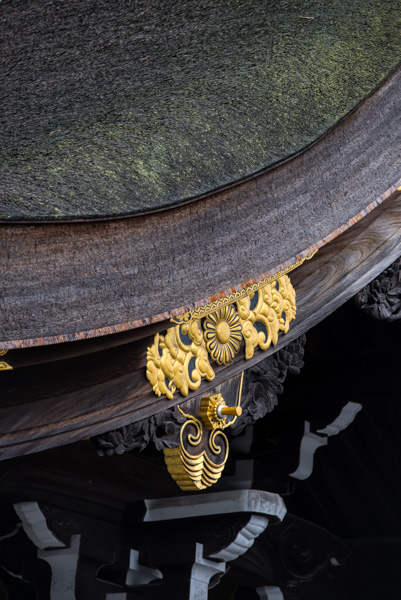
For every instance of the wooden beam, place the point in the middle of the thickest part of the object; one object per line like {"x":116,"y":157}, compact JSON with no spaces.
{"x":57,"y":403}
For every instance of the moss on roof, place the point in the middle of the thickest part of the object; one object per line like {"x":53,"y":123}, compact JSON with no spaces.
{"x":114,"y":107}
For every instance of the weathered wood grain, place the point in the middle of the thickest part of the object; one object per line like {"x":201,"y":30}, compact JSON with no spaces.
{"x":73,"y":281}
{"x":71,"y":399}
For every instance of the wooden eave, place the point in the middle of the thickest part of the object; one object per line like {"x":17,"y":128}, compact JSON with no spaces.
{"x":54,"y":403}
{"x":81,"y":301}
{"x":69,"y":282}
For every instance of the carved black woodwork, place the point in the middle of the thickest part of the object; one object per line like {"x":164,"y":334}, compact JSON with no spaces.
{"x":28,"y":576}
{"x":102,"y":500}
{"x":296,"y":557}
{"x":162,"y":430}
{"x":381,"y":298}
{"x":156,"y":549}
{"x":220,"y":539}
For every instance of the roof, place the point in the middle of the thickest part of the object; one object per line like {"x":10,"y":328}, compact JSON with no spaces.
{"x":114,"y":108}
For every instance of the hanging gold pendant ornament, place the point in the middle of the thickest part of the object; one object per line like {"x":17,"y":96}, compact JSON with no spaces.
{"x":180,"y":359}
{"x":198,"y":471}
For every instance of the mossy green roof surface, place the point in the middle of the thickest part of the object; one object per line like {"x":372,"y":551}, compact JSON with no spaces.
{"x":114,"y":107}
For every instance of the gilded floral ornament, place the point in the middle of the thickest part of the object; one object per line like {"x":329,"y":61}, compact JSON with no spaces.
{"x":180,"y":359}
{"x":222,"y":334}
{"x":264,"y":314}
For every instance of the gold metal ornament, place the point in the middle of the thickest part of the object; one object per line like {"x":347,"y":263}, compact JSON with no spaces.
{"x":198,"y":471}
{"x":3,"y":365}
{"x":264,"y":314}
{"x":222,"y":334}
{"x":180,"y":359}
{"x":214,"y":411}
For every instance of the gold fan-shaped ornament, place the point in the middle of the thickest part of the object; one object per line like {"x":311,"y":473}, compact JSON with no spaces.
{"x":193,"y":470}
{"x":196,"y":471}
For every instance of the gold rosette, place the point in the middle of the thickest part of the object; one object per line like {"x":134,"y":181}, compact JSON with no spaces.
{"x":222,"y":334}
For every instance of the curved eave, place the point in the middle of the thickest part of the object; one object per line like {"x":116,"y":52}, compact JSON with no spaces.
{"x":41,"y":409}
{"x":167,"y":315}
{"x":73,"y":281}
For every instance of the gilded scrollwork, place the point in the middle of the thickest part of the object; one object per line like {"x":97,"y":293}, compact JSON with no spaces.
{"x":4,"y":366}
{"x":264,"y":314}
{"x":197,"y":471}
{"x":180,"y":359}
{"x":198,"y":462}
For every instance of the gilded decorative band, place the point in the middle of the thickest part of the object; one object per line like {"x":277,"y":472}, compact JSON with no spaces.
{"x":181,"y":357}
